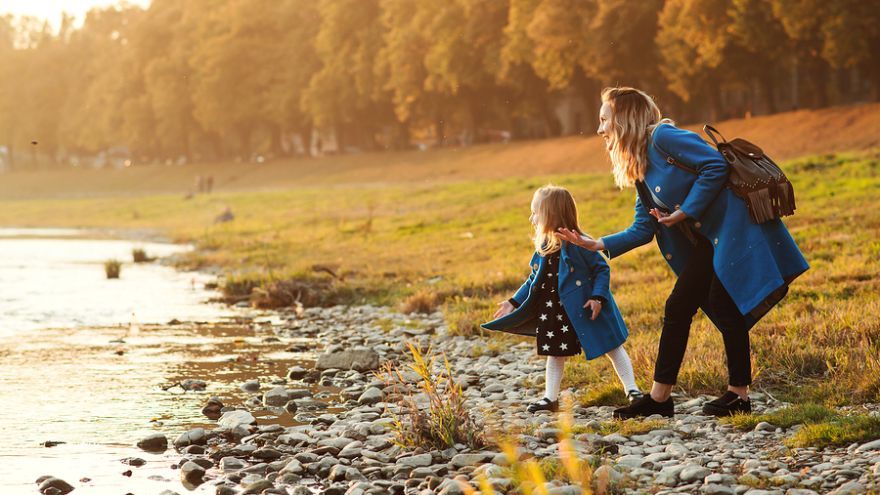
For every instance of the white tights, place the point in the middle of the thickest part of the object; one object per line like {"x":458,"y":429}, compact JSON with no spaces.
{"x":619,"y":360}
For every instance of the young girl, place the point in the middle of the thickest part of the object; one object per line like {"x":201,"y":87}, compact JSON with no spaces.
{"x":562,"y":301}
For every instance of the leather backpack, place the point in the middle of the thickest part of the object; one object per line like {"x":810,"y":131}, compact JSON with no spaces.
{"x":754,"y":177}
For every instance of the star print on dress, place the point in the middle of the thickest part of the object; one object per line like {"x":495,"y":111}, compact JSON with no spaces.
{"x":550,"y":335}
{"x":559,"y":317}
{"x":563,"y":346}
{"x":546,"y":347}
{"x":549,"y":304}
{"x":564,"y":328}
{"x":550,"y":274}
{"x":543,"y":317}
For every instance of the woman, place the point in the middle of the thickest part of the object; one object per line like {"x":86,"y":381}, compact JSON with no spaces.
{"x":731,"y":268}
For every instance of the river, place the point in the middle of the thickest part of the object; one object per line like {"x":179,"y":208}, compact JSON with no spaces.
{"x":87,"y":361}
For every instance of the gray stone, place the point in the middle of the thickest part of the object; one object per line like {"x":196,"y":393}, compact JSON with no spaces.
{"x":800,"y":491}
{"x":417,"y":460}
{"x":191,"y":385}
{"x":196,"y":436}
{"x":231,"y":419}
{"x":370,"y":396}
{"x":564,"y":490}
{"x":232,"y":464}
{"x":693,"y":473}
{"x":608,"y":474}
{"x":297,"y":373}
{"x":276,"y":397}
{"x":257,"y":487}
{"x":350,"y":359}
{"x":633,"y":461}
{"x":866,"y":447}
{"x":461,"y":460}
{"x":252,"y":386}
{"x":192,"y":473}
{"x":714,"y":489}
{"x":765,"y":426}
{"x":851,"y":488}
{"x":54,"y":485}
{"x":156,"y":442}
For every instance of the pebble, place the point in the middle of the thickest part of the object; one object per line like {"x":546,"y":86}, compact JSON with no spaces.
{"x":343,"y":440}
{"x":156,"y":442}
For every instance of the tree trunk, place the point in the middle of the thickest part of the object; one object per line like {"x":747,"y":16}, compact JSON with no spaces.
{"x":766,"y":84}
{"x":440,"y":129}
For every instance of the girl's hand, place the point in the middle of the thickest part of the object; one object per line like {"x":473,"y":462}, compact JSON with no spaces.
{"x":595,"y":306}
{"x":667,"y":219}
{"x":578,"y":240}
{"x":504,"y":309}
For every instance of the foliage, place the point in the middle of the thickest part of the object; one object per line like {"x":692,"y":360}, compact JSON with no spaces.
{"x":203,"y":79}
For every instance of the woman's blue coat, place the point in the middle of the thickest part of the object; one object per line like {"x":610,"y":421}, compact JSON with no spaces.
{"x":754,"y":262}
{"x":582,"y":274}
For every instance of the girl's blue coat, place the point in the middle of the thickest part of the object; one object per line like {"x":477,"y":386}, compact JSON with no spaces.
{"x":582,"y":274}
{"x":754,"y":262}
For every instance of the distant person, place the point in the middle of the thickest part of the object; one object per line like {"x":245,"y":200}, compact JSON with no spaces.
{"x":199,"y":184}
{"x":209,"y":184}
{"x":566,"y":302}
{"x":732,"y":268}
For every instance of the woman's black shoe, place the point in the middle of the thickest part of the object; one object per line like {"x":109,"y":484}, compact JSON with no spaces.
{"x":544,"y":404}
{"x":727,"y":405}
{"x":634,"y":395}
{"x":645,"y":406}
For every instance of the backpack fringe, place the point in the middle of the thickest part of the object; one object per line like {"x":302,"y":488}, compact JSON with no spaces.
{"x":760,"y":205}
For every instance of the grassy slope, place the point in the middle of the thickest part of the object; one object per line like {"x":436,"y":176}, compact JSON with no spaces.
{"x":467,"y":241}
{"x":787,"y":135}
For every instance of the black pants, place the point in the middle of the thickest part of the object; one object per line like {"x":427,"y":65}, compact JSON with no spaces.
{"x":699,"y":287}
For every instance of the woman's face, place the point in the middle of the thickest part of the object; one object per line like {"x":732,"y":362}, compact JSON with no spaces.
{"x":604,"y":129}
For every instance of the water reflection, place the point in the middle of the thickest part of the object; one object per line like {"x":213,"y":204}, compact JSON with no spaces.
{"x":71,"y":372}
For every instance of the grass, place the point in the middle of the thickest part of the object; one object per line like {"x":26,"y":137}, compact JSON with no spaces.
{"x":461,"y":243}
{"x":821,"y":426}
{"x":112,"y":268}
{"x":445,"y":420}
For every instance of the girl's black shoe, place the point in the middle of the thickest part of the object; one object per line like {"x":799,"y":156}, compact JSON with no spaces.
{"x":727,"y":405}
{"x":634,"y":395}
{"x":644,"y":407}
{"x":544,"y":404}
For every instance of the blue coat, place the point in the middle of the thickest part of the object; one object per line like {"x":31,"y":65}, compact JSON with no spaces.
{"x":754,"y":262}
{"x":582,"y":275}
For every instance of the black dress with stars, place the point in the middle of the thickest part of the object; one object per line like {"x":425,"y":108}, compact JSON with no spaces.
{"x":556,"y":336}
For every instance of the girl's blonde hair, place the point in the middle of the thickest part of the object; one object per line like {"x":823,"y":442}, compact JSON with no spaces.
{"x":553,"y":207}
{"x":634,"y":116}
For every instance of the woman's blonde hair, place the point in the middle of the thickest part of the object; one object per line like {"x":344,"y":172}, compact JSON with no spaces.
{"x":634,"y":116}
{"x":553,"y":207}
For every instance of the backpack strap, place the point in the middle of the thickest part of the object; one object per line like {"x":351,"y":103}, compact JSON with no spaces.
{"x":711,"y":132}
{"x":671,"y":159}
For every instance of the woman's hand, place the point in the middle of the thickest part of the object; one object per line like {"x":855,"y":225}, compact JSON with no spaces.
{"x":594,"y":306}
{"x":578,"y":240}
{"x":667,"y":219}
{"x":504,"y":309}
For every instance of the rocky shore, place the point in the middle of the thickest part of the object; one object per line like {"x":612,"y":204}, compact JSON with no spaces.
{"x":343,"y":440}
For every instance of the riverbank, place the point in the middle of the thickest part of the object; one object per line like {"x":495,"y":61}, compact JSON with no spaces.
{"x":347,"y":442}
{"x":461,"y":247}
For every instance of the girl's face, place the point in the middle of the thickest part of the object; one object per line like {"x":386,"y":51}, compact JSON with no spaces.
{"x":605,"y":126}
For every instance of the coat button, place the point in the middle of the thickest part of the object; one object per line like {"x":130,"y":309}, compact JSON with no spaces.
{"x":669,"y":256}
{"x":577,"y":282}
{"x":698,"y":225}
{"x":535,"y":266}
{"x":657,"y":189}
{"x":716,"y":240}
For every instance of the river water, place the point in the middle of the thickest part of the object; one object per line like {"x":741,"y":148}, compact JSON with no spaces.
{"x":87,"y":361}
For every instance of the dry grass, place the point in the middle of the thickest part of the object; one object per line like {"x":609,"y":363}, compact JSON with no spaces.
{"x":468,"y":243}
{"x":784,"y":136}
{"x":112,"y":268}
